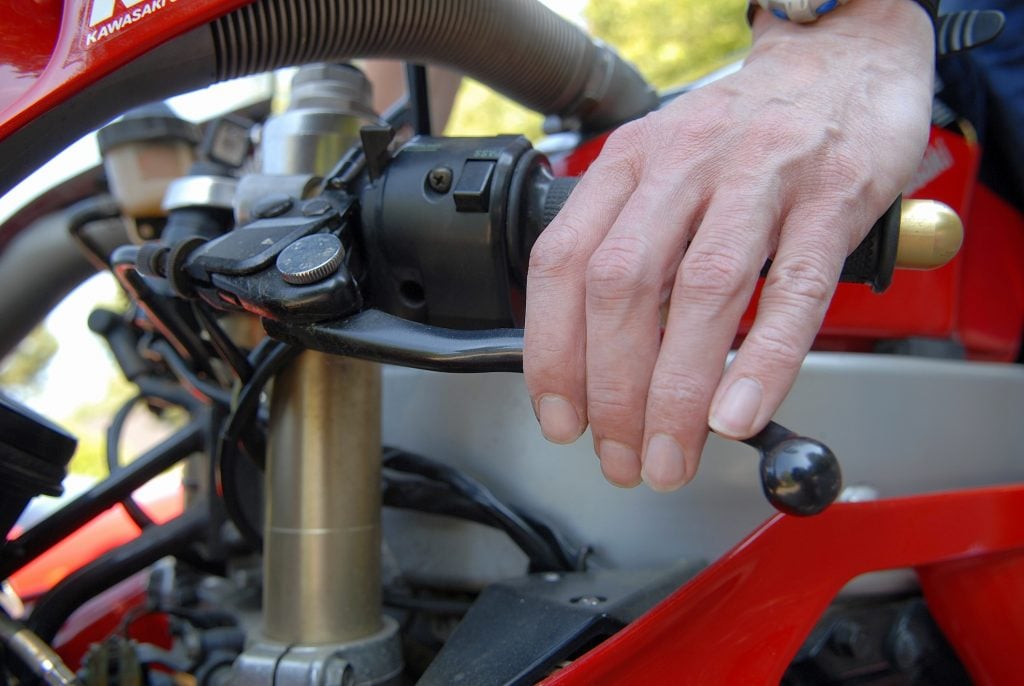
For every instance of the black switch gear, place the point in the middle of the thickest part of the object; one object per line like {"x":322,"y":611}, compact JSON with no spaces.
{"x":473,"y":190}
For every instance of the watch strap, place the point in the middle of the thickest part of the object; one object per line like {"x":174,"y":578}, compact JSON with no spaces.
{"x":929,"y":6}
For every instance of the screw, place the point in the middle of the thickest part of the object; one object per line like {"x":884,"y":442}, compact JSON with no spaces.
{"x":551,"y":577}
{"x":440,"y":179}
{"x":589,"y":600}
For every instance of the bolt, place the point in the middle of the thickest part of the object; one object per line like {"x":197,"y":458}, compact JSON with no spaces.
{"x":589,"y":600}
{"x":272,"y":206}
{"x":338,"y":672}
{"x":440,"y":179}
{"x":315,"y":208}
{"x":551,"y":577}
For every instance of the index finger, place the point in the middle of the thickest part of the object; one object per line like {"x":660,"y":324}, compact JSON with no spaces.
{"x":554,"y":345}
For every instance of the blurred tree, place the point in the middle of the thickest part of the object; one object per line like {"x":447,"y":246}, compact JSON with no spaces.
{"x":671,"y":41}
{"x":479,"y":111}
{"x":22,"y":368}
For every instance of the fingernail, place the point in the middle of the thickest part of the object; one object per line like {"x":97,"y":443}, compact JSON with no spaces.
{"x":664,"y":466}
{"x":619,"y":463}
{"x":558,"y":419}
{"x":735,"y":413}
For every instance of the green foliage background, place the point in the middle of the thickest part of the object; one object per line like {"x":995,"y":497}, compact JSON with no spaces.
{"x":670,"y":41}
{"x":22,"y":375}
{"x":21,"y":371}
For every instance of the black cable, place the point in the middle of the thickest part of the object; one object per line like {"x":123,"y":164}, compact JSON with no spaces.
{"x":413,"y":492}
{"x":416,"y":493}
{"x":114,"y":431}
{"x":149,"y":388}
{"x":171,"y":538}
{"x":438,"y":606}
{"x":167,"y":391}
{"x":419,"y":97}
{"x":271,"y":357}
{"x":543,"y":555}
{"x":259,"y":353}
{"x":222,"y":343}
{"x":440,"y":489}
{"x":211,"y":391}
{"x":163,"y":311}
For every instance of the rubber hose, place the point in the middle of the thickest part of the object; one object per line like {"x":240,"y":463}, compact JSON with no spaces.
{"x":518,"y":47}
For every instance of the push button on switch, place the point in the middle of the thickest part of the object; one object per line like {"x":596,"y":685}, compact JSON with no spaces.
{"x":473,"y":190}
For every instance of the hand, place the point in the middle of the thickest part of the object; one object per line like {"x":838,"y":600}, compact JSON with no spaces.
{"x":793,"y":157}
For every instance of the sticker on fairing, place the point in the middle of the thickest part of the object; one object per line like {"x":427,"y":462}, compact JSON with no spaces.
{"x":109,"y":17}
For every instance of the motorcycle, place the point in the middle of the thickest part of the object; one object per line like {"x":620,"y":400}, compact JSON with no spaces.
{"x":315,"y":542}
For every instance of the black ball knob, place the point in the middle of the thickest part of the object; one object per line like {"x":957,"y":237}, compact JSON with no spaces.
{"x":800,"y":476}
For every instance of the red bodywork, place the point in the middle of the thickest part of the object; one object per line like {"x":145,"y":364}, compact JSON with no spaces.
{"x":49,"y":53}
{"x":741,"y":620}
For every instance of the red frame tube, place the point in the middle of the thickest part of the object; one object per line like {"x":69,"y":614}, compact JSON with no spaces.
{"x":742,"y":620}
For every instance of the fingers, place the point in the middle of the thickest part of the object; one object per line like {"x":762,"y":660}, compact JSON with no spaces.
{"x":793,"y":302}
{"x":626,"y":278}
{"x":712,"y":289}
{"x":554,"y":361}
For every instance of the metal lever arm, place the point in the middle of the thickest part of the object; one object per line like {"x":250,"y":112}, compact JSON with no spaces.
{"x":800,"y":476}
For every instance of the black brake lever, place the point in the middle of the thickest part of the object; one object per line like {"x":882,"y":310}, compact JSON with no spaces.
{"x":799,"y":476}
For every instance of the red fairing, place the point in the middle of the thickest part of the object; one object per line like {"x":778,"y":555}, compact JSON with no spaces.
{"x":744,"y":618}
{"x":976,"y":300}
{"x":47,"y":55}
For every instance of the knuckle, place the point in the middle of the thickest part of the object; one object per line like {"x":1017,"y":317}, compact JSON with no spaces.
{"x":625,"y":151}
{"x":627,"y":140}
{"x":611,"y":406}
{"x":607,"y":406}
{"x":711,"y":275}
{"x":679,"y":395}
{"x":620,"y":268}
{"x":805,"y":281}
{"x":777,"y":347}
{"x":557,"y":250}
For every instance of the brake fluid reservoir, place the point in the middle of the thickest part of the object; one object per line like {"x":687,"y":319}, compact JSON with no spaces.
{"x":142,"y":153}
{"x":328,"y":105}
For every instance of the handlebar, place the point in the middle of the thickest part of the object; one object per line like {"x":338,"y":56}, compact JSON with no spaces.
{"x":387,"y":288}
{"x":912,"y":234}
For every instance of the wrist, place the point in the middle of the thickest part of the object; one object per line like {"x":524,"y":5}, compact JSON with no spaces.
{"x":901,"y":24}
